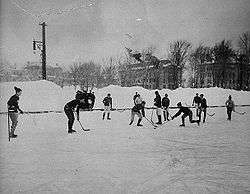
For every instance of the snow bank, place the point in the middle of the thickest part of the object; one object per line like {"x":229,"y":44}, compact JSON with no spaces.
{"x":36,"y":96}
{"x":45,"y":95}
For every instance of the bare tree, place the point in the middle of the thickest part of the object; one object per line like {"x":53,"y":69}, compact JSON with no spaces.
{"x":110,"y":71}
{"x":178,"y":55}
{"x":74,"y":74}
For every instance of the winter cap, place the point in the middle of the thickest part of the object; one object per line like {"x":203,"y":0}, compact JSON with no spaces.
{"x":179,"y":104}
{"x":17,"y":89}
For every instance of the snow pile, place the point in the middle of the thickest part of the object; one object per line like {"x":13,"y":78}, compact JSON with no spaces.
{"x":45,"y":95}
{"x":123,"y":96}
{"x":36,"y":96}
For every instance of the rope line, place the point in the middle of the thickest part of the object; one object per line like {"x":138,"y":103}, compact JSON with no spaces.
{"x":117,"y":109}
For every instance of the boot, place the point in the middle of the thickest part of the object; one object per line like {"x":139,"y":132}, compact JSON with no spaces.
{"x":130,"y":122}
{"x":159,"y":120}
{"x":198,"y":122}
{"x":138,"y":123}
{"x":108,"y":116}
{"x":182,"y":125}
{"x":13,"y":135}
{"x":103,"y":116}
{"x":71,"y":131}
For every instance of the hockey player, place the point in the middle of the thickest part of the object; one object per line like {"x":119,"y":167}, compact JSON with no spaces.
{"x":196,"y":103}
{"x":107,"y":101}
{"x":13,"y":109}
{"x":186,"y":112}
{"x":157,"y":103}
{"x":165,"y":105}
{"x":203,"y":108}
{"x":69,"y":108}
{"x":230,"y":107}
{"x":138,"y":99}
{"x":136,"y":111}
{"x":135,"y":96}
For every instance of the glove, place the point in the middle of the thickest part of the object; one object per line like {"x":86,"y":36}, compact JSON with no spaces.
{"x":172,"y":118}
{"x":21,"y":111}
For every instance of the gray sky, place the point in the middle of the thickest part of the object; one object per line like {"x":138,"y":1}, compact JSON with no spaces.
{"x":93,"y":29}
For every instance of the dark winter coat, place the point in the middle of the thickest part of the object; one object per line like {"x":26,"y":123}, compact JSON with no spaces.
{"x":230,"y":104}
{"x":165,"y":102}
{"x":72,"y":105}
{"x":107,"y":101}
{"x":13,"y":104}
{"x":203,"y":103}
{"x":184,"y":110}
{"x":197,"y":100}
{"x":157,"y":101}
{"x":138,"y":108}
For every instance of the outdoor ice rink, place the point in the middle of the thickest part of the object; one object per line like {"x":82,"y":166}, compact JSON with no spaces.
{"x":117,"y":158}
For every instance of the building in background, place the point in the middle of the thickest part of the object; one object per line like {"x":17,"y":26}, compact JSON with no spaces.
{"x":147,"y":75}
{"x":231,"y":75}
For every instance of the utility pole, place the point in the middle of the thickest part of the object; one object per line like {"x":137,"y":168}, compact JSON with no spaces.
{"x":41,"y":45}
{"x":43,"y":51}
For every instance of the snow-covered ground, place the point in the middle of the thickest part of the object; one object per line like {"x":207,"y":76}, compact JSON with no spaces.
{"x":117,"y":158}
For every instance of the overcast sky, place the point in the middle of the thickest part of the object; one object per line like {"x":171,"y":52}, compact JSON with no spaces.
{"x":93,"y":29}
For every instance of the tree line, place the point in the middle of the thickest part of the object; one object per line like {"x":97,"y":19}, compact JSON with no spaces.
{"x":181,"y":55}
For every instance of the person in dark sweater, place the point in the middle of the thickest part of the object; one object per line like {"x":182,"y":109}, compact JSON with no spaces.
{"x":157,"y":103}
{"x":203,"y":108}
{"x":230,"y":107}
{"x":186,"y":112}
{"x":165,"y":105}
{"x":107,"y":101}
{"x":13,"y":109}
{"x":196,"y":103}
{"x":69,"y":108}
{"x":135,"y":96}
{"x":138,"y":110}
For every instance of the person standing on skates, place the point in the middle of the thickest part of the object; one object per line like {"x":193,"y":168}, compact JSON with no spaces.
{"x":13,"y":109}
{"x":196,"y":103}
{"x":230,"y":107}
{"x":157,"y":103}
{"x":69,"y":108}
{"x":165,"y":105}
{"x":136,"y":111}
{"x":107,"y":101}
{"x":186,"y":112}
{"x":203,"y":108}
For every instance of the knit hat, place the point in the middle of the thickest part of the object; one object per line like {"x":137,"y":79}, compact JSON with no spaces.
{"x":179,"y":104}
{"x":17,"y":89}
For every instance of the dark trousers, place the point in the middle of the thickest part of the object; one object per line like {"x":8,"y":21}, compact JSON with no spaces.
{"x":190,"y":115}
{"x":229,"y":113}
{"x":69,"y":113}
{"x":13,"y":117}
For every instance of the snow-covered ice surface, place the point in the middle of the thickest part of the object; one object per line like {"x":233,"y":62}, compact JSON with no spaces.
{"x":117,"y":158}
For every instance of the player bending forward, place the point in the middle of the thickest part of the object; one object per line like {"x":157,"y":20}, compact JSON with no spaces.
{"x":186,"y":112}
{"x":138,"y":110}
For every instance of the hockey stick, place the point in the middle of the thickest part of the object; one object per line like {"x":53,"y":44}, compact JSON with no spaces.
{"x":240,"y":113}
{"x":154,"y":125}
{"x":8,"y":125}
{"x":82,"y":126}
